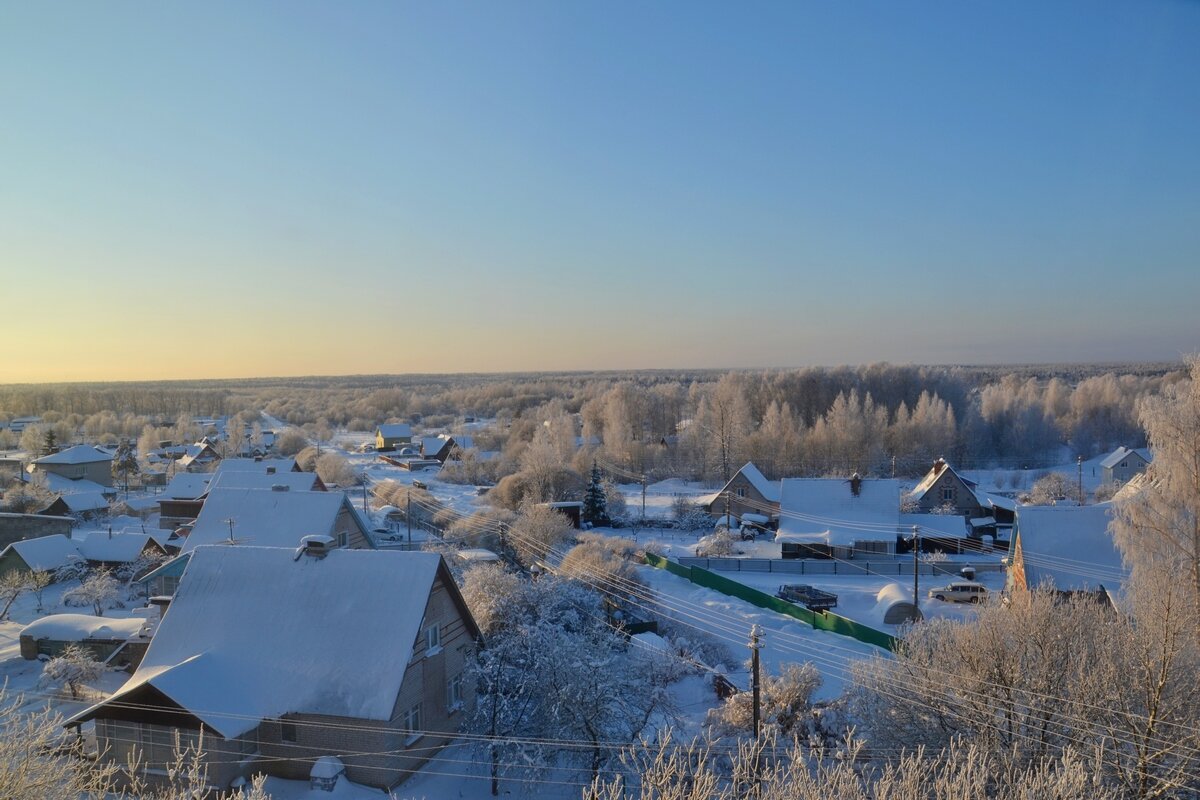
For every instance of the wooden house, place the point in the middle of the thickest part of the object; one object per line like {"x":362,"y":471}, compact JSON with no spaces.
{"x":1122,"y":464}
{"x":81,"y":462}
{"x":391,"y":436}
{"x":282,"y":656}
{"x":747,"y":492}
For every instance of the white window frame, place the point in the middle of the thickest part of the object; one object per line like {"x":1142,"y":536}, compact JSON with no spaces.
{"x":454,"y":694}
{"x":947,"y":494}
{"x":433,"y":639}
{"x":412,"y":723}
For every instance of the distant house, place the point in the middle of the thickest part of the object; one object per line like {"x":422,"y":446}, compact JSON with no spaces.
{"x":943,"y":488}
{"x":280,"y":657}
{"x":265,"y":466}
{"x":81,"y":462}
{"x":1068,"y":549}
{"x":393,"y":435}
{"x":277,"y":518}
{"x":438,"y":448}
{"x":199,"y":457}
{"x":834,"y":518}
{"x":747,"y":492}
{"x":111,"y":550}
{"x":1123,"y":463}
{"x":43,"y":554}
{"x":180,"y":502}
{"x":83,"y":505}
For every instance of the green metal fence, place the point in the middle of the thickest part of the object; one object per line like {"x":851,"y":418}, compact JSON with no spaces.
{"x":820,"y":620}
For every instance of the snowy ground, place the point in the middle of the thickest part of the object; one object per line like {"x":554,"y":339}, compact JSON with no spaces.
{"x":729,"y":620}
{"x":1009,"y":481}
{"x":857,"y":593}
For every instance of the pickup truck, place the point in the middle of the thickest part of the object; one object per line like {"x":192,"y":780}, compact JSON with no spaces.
{"x":807,"y":596}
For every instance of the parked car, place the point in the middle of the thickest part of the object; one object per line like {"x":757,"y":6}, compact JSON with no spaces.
{"x":960,"y":592}
{"x":420,"y":485}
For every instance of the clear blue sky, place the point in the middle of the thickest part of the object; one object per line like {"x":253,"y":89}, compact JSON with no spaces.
{"x":323,"y":188}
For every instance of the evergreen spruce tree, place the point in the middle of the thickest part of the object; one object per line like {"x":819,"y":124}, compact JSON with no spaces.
{"x":595,"y":502}
{"x":50,"y":443}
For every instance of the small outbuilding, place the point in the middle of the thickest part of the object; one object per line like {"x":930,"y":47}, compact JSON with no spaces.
{"x":101,"y":636}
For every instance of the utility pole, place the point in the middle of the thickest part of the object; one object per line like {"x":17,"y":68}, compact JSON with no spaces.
{"x":893,"y":466}
{"x":643,"y":495}
{"x":408,"y":518}
{"x":1080,"y":458}
{"x":755,"y":686}
{"x":917,"y":568}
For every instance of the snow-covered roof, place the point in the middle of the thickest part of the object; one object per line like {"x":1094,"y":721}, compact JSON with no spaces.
{"x":395,"y":430}
{"x":989,"y":500}
{"x":77,"y":627}
{"x":432,"y":445}
{"x":264,"y":517}
{"x":825,"y":510}
{"x":45,"y":553}
{"x":255,"y":633}
{"x":187,"y":486}
{"x":939,"y":468}
{"x":263,"y":465}
{"x":80,"y":502}
{"x":477,"y":555}
{"x":79,"y":454}
{"x":1120,"y":454}
{"x":245,"y":479}
{"x":934,"y":524}
{"x":1070,"y":546}
{"x":768,"y":489}
{"x":60,"y":484}
{"x":118,"y":548}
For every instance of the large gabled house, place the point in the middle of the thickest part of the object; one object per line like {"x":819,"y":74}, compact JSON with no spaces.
{"x":1122,"y":464}
{"x":182,"y":499}
{"x":81,"y":462}
{"x":842,"y":519}
{"x":392,"y":435}
{"x":748,"y":492}
{"x":943,"y":490}
{"x":281,"y":656}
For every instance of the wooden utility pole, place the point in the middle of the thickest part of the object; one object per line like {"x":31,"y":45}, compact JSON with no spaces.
{"x":755,"y":684}
{"x":1080,"y":459}
{"x":917,"y":568}
{"x":408,"y":518}
{"x":643,"y":495}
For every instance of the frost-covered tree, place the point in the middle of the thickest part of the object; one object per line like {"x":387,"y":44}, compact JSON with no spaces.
{"x":1051,"y":488}
{"x":71,"y":668}
{"x":290,"y":442}
{"x":554,"y":669}
{"x":333,"y":469}
{"x":98,"y":591}
{"x":13,"y":584}
{"x":125,"y":465}
{"x":786,"y":706}
{"x":595,"y":501}
{"x":536,"y":531}
{"x":1158,"y":528}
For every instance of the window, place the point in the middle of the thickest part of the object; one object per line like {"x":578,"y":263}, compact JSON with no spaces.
{"x":412,"y":724}
{"x":343,"y":539}
{"x":741,"y":491}
{"x":433,"y":639}
{"x":948,"y":494}
{"x":454,"y":694}
{"x":287,"y":731}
